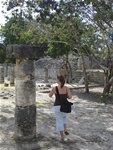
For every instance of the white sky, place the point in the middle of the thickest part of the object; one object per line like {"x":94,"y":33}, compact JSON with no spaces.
{"x":2,"y":18}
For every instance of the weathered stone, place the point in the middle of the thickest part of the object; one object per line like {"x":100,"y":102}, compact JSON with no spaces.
{"x":9,"y":72}
{"x":6,"y":84}
{"x":25,"y":121}
{"x":62,"y":72}
{"x":12,"y":75}
{"x":25,"y":69}
{"x":25,"y":92}
{"x":46,"y":74}
{"x":25,"y":82}
{"x":81,"y":81}
{"x":5,"y":97}
{"x":1,"y":74}
{"x":5,"y":70}
{"x":25,"y":112}
{"x":24,"y":51}
{"x":48,"y":85}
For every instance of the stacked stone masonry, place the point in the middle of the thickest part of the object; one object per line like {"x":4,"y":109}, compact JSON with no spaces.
{"x":25,"y":110}
{"x":1,"y":74}
{"x":12,"y":74}
{"x":55,"y":67}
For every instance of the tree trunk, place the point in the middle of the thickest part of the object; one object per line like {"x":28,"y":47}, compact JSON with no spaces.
{"x":70,"y":72}
{"x":67,"y":74}
{"x":109,"y":82}
{"x":85,"y":75}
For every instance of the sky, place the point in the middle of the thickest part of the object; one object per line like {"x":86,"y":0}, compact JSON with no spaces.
{"x":2,"y":19}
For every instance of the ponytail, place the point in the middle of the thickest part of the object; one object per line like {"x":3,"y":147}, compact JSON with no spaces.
{"x":61,"y":79}
{"x":62,"y":83}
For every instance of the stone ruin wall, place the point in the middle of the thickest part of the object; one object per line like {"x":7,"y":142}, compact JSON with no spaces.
{"x":96,"y":77}
{"x":95,"y":74}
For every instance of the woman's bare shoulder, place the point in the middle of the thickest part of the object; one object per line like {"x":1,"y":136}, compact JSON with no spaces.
{"x":66,"y":87}
{"x":53,"y":88}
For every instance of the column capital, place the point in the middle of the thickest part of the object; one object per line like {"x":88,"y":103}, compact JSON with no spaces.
{"x":24,"y":51}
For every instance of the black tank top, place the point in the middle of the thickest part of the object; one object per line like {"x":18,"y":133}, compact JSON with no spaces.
{"x":63,"y":98}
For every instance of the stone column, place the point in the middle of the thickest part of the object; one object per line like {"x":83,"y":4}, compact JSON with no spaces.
{"x":14,"y":71}
{"x":1,"y":74}
{"x":5,"y":70}
{"x":25,"y":110}
{"x":12,"y":74}
{"x":8,"y":71}
{"x":46,"y":74}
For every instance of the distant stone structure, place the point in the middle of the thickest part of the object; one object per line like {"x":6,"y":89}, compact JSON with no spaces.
{"x":25,"y":111}
{"x":1,"y":74}
{"x":8,"y":71}
{"x":55,"y":67}
{"x":62,"y":72}
{"x":46,"y":74}
{"x":12,"y":77}
{"x":5,"y":70}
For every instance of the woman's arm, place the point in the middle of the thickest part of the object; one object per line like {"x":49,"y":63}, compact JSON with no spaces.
{"x":52,"y":92}
{"x":69,"y":93}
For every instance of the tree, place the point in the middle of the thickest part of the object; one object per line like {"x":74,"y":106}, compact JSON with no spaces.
{"x":100,"y":14}
{"x":73,"y":33}
{"x":14,"y":32}
{"x":2,"y":53}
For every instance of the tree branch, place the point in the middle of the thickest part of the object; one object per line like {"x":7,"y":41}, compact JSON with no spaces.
{"x":111,"y":80}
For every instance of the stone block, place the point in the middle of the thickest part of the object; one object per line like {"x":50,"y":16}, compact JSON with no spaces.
{"x":25,"y":122}
{"x":25,"y":92}
{"x":6,"y":84}
{"x":24,"y":51}
{"x":25,"y":69}
{"x":1,"y":74}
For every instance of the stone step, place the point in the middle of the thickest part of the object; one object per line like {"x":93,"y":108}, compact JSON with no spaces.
{"x":77,"y":76}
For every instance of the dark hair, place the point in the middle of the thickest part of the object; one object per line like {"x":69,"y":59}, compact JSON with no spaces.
{"x":61,"y":79}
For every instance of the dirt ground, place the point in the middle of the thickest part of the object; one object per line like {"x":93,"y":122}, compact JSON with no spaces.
{"x":90,"y":124}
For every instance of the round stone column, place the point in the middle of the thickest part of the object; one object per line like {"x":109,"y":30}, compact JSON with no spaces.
{"x":25,"y":110}
{"x":12,"y":75}
{"x":5,"y":70}
{"x":1,"y":75}
{"x":46,"y":74}
{"x":8,"y":72}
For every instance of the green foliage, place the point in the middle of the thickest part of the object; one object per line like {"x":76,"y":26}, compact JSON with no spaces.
{"x":2,"y":53}
{"x":13,"y":32}
{"x":3,"y":58}
{"x":103,"y":99}
{"x":58,"y":26}
{"x":111,"y":90}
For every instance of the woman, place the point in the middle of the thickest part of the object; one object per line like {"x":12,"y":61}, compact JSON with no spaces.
{"x":64,"y":92}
